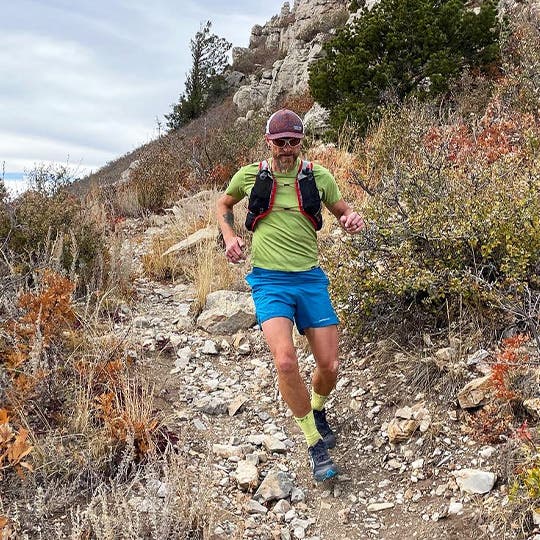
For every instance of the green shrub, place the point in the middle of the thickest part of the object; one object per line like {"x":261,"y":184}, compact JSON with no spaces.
{"x":398,"y":49}
{"x":453,"y":224}
{"x":49,"y":226}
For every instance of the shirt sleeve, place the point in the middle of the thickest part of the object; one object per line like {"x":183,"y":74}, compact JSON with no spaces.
{"x":327,"y":184}
{"x":236,"y":187}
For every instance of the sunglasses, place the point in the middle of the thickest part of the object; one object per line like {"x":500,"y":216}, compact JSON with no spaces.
{"x":292,"y":142}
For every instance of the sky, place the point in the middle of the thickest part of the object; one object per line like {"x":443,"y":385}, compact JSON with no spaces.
{"x":84,"y":81}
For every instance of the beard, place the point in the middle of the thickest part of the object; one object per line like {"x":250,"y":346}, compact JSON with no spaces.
{"x":284,"y":163}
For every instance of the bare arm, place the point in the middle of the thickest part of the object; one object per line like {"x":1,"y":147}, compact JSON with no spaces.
{"x":225,"y":217}
{"x":350,"y":220}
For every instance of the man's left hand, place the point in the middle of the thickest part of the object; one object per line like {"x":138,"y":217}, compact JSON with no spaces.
{"x":352,"y":223}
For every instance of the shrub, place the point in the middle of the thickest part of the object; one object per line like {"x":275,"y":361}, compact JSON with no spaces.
{"x":521,"y":60}
{"x":203,"y":155}
{"x":49,"y":226}
{"x":299,"y":103}
{"x":401,"y":48}
{"x":451,"y":227}
{"x":157,"y":177}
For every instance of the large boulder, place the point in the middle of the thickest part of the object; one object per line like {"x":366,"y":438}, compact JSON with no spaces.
{"x":316,"y":120}
{"x":227,"y":312}
{"x":250,"y":97}
{"x":234,"y":78}
{"x":289,"y":76}
{"x":298,"y":34}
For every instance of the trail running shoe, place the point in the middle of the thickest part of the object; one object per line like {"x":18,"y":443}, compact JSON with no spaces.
{"x":321,"y":463}
{"x":324,"y":429}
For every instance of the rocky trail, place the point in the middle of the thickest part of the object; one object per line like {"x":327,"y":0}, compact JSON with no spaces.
{"x":217,"y":390}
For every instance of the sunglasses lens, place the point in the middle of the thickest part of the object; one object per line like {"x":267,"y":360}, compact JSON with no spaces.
{"x":282,"y":142}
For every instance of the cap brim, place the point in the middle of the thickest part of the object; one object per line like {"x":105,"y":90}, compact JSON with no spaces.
{"x":290,"y":134}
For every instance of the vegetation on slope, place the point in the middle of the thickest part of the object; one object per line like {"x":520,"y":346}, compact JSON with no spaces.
{"x":451,"y":197}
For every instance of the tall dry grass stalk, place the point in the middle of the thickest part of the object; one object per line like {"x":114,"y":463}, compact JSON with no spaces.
{"x":211,"y":273}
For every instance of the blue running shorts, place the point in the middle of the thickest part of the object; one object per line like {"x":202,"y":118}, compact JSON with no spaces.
{"x":301,"y":297}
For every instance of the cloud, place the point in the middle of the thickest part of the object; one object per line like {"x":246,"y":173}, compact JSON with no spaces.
{"x":88,"y":79}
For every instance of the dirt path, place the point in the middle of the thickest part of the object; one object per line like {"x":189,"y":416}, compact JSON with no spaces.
{"x":390,"y":492}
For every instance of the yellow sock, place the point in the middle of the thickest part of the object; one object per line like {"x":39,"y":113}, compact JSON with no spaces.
{"x":308,"y":427}
{"x":317,"y":401}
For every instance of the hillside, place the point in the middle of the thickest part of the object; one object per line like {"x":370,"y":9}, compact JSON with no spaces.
{"x":263,"y":76}
{"x":138,"y":398}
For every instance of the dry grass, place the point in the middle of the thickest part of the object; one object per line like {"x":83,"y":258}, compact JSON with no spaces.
{"x":343,"y":165}
{"x":203,"y":264}
{"x":126,"y":201}
{"x":100,"y":451}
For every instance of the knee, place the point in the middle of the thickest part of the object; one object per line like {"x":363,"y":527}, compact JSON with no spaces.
{"x":329,"y":366}
{"x":286,"y":361}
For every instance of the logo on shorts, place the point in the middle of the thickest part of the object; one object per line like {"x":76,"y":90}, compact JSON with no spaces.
{"x":325,"y":319}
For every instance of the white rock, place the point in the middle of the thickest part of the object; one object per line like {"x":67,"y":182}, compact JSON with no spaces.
{"x":474,"y":393}
{"x":255,"y":507}
{"x":474,"y":480}
{"x":227,"y":312}
{"x":272,"y":444}
{"x":236,"y":404}
{"x":476,"y":357}
{"x":227,"y":451}
{"x":209,"y":347}
{"x":377,"y":507}
{"x":281,"y":507}
{"x":455,"y":508}
{"x":202,"y":235}
{"x":487,"y":452}
{"x":246,"y":475}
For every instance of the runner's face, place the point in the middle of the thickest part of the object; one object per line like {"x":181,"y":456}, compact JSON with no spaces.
{"x":284,"y":156}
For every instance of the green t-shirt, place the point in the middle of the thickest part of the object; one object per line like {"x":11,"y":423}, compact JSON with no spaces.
{"x":285,"y":239}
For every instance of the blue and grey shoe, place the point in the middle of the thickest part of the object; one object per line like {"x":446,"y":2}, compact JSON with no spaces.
{"x":324,"y":429}
{"x":321,"y":463}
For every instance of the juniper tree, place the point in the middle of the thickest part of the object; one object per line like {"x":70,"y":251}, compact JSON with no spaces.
{"x":205,"y":82}
{"x":401,"y":48}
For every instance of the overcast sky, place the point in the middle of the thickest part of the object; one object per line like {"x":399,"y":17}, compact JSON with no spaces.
{"x":84,"y":80}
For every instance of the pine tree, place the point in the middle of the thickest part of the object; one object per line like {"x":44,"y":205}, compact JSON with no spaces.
{"x":204,"y":83}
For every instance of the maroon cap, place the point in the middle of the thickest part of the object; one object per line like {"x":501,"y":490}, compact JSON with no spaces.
{"x":284,"y":123}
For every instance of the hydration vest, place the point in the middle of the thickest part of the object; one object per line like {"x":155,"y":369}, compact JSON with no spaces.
{"x":261,"y":198}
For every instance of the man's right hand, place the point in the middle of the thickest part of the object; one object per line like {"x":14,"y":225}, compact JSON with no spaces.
{"x":234,"y":250}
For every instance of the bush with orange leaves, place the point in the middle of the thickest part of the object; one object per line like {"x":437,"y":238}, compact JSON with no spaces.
{"x":14,"y":446}
{"x":512,"y":380}
{"x":35,"y":338}
{"x":499,"y":133}
{"x":511,"y":366}
{"x":46,"y":373}
{"x":128,"y":416}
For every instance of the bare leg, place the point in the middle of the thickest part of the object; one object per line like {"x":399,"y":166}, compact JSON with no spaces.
{"x":324,"y":345}
{"x":278,"y":334}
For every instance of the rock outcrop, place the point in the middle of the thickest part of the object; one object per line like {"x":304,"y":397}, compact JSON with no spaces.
{"x":296,"y":36}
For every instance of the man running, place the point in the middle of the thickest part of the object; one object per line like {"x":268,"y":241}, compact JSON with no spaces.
{"x":288,"y":286}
